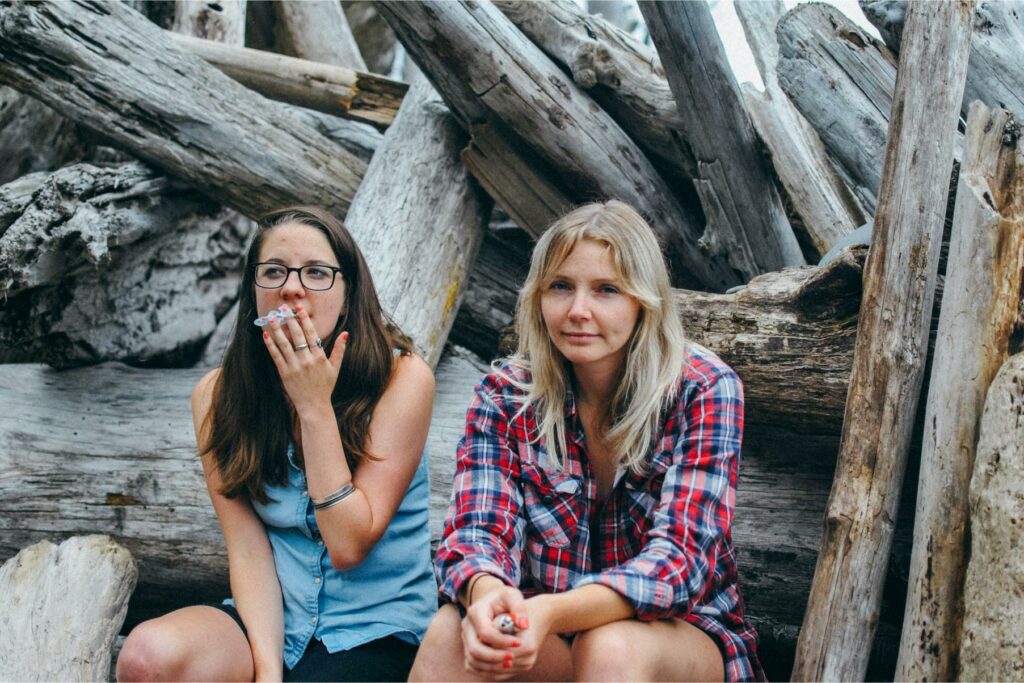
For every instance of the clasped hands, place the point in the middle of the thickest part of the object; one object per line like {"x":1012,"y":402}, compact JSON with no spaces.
{"x":496,"y":655}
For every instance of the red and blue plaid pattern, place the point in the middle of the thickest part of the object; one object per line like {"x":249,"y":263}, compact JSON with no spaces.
{"x":662,"y":539}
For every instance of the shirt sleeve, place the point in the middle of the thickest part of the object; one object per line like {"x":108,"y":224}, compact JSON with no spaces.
{"x":693,"y":516}
{"x":482,"y":532}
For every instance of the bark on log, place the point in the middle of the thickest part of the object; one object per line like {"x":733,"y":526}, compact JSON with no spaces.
{"x":318,"y":30}
{"x":993,"y":637}
{"x":222,"y":21}
{"x":63,"y":608}
{"x":980,"y":315}
{"x":841,"y":79}
{"x":827,"y":209}
{"x":486,"y":69}
{"x":622,"y":74}
{"x":33,"y":137}
{"x":995,"y":72}
{"x":107,"y":67}
{"x":892,"y":345}
{"x":745,"y":215}
{"x":419,"y":220}
{"x":113,"y":263}
{"x":336,"y":90}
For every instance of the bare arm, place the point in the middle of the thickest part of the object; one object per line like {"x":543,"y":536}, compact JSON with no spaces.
{"x":251,"y":568}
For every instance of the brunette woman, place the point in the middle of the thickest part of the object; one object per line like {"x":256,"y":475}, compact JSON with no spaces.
{"x":589,"y":536}
{"x":312,"y":441}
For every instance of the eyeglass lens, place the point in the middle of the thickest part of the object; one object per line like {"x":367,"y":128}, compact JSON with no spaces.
{"x":274,"y":275}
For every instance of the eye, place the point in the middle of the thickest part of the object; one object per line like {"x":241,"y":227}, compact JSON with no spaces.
{"x":608,"y":289}
{"x":272,"y":271}
{"x":559,"y":285}
{"x":316,"y":272}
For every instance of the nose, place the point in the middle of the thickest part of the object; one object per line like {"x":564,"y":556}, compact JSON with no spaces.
{"x":292,"y":287}
{"x":580,"y":309}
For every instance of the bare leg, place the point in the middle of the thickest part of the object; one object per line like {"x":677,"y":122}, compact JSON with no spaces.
{"x":632,"y":650}
{"x":440,"y":657}
{"x":198,"y":643}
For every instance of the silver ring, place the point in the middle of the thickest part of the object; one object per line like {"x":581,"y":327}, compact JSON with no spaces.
{"x":318,"y":344}
{"x":301,"y":346}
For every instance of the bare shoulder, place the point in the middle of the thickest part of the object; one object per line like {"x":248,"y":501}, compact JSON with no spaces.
{"x":202,"y":394}
{"x":412,"y":373}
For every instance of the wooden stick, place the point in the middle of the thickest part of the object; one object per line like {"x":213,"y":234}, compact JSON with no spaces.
{"x":318,"y":30}
{"x":980,"y":314}
{"x":889,"y":356}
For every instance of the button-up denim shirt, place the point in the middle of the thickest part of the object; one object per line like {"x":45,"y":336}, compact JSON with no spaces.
{"x":392,"y":592}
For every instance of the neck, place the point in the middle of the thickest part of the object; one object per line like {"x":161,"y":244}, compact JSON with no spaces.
{"x":595,"y":387}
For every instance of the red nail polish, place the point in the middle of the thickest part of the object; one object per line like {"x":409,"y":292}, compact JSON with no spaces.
{"x":522,"y":623}
{"x":516,"y":643}
{"x":298,"y":309}
{"x":266,"y":335}
{"x":344,"y":336}
{"x":507,"y":664}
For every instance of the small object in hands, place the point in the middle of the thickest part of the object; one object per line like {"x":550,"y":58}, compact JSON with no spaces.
{"x":279,"y":314}
{"x":301,"y":346}
{"x":506,"y":624}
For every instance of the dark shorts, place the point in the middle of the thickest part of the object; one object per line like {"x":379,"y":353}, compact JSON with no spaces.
{"x":385,"y":659}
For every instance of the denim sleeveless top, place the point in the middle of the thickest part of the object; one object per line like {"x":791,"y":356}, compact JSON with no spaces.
{"x":393,"y":591}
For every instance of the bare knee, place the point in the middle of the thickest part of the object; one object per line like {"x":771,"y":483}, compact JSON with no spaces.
{"x":149,"y":654}
{"x":606,"y":653}
{"x":440,"y":655}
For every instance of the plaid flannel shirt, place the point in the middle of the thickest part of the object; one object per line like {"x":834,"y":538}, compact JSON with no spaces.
{"x":662,"y":539}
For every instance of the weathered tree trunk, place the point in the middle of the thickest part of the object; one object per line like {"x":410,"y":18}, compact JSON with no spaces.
{"x":376,"y":41}
{"x":993,"y":636}
{"x":486,"y":69}
{"x":746,"y":219}
{"x":827,"y":209}
{"x":63,"y":608}
{"x":222,"y":21}
{"x":419,"y":219}
{"x":34,"y":137}
{"x":995,"y":72}
{"x":113,"y":263}
{"x":892,"y":344}
{"x":107,"y":67}
{"x":619,"y":13}
{"x":841,"y":79}
{"x":330,"y":89}
{"x":980,"y":314}
{"x":318,"y":30}
{"x":622,"y":74}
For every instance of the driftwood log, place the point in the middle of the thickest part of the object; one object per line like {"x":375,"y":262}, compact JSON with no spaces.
{"x":222,"y":21}
{"x":993,"y":636}
{"x":318,"y":30}
{"x":995,"y":72}
{"x":109,"y":68}
{"x":980,"y":315}
{"x":113,"y":263}
{"x":892,"y":344}
{"x":419,"y":220}
{"x":745,"y":217}
{"x":63,"y":608}
{"x":489,"y":70}
{"x":841,"y":79}
{"x":826,"y":208}
{"x":376,"y":41}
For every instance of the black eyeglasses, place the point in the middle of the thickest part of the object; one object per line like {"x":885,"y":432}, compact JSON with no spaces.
{"x":315,"y":278}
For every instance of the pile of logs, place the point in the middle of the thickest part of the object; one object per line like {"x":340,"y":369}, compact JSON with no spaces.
{"x":140,"y":140}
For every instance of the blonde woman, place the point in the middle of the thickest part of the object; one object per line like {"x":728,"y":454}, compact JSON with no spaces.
{"x":589,"y":533}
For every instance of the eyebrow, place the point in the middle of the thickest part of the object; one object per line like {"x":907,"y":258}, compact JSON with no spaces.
{"x":313,"y":262}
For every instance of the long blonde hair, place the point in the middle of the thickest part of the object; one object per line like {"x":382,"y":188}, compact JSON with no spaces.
{"x":655,"y":351}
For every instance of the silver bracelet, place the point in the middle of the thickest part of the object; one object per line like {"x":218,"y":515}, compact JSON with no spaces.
{"x":334,"y":498}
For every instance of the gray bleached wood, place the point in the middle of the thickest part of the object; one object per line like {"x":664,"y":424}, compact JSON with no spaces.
{"x":995,"y":72}
{"x":112,"y":263}
{"x":980,"y":315}
{"x":486,"y":69}
{"x":222,"y":21}
{"x":827,"y":209}
{"x":109,"y":68}
{"x":841,"y":80}
{"x":745,"y":217}
{"x":993,"y":635}
{"x":63,"y":608}
{"x":891,"y":347}
{"x":317,"y":30}
{"x":337,"y":90}
{"x":419,"y":220}
{"x":376,"y":41}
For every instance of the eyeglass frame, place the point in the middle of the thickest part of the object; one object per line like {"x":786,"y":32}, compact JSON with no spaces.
{"x":335,"y":271}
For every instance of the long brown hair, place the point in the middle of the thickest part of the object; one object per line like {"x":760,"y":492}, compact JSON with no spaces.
{"x":250,"y":424}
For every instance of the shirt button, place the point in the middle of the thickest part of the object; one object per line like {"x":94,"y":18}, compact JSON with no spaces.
{"x":305,"y":493}
{"x":312,"y":619}
{"x":547,"y":498}
{"x":316,"y":580}
{"x":320,"y":542}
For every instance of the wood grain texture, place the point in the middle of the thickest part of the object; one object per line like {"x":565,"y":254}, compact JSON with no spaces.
{"x":745,"y":217}
{"x":222,"y":21}
{"x":63,"y":608}
{"x":892,"y":344}
{"x":827,"y":209}
{"x":486,"y":69}
{"x":318,"y":30}
{"x":107,"y":67}
{"x":419,"y":220}
{"x":981,"y":314}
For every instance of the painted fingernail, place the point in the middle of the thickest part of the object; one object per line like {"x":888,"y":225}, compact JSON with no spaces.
{"x":516,"y":643}
{"x":298,"y":309}
{"x":507,"y":664}
{"x":266,"y":335}
{"x":344,"y":336}
{"x":522,"y":623}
